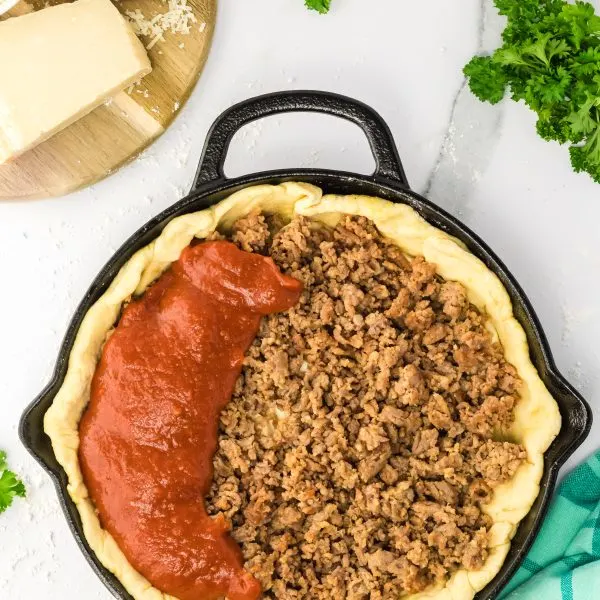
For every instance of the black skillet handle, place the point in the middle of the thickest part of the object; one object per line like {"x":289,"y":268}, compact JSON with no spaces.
{"x":387,"y":160}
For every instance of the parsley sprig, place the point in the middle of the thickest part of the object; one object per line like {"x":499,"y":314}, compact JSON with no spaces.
{"x":10,"y":485}
{"x":550,"y":59}
{"x":321,"y":6}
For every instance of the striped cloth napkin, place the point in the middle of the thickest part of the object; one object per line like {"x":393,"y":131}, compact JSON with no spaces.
{"x":564,"y":562}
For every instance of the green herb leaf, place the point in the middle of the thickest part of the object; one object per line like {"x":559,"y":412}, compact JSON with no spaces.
{"x":486,"y":79}
{"x":550,"y":58}
{"x":10,"y":485}
{"x":321,"y":6}
{"x":587,"y":158}
{"x":582,"y":120}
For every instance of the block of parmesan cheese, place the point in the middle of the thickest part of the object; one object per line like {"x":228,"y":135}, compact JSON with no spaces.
{"x":58,"y":64}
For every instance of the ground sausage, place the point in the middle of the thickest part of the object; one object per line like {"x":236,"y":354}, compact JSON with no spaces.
{"x":359,"y":444}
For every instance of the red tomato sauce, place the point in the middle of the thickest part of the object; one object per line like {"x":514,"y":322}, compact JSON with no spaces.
{"x":150,"y":432}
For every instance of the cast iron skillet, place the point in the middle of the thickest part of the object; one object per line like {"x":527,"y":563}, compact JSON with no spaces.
{"x":388,"y":181}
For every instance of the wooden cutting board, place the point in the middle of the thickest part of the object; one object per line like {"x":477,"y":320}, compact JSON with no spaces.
{"x":116,"y":132}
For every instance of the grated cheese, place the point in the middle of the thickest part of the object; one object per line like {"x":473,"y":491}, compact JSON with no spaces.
{"x":178,"y":19}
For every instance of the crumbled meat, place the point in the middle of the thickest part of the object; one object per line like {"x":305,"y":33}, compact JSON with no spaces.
{"x":425,"y":442}
{"x":438,"y":413}
{"x":372,"y":464}
{"x":251,"y":233}
{"x":498,"y":461}
{"x":440,"y":491}
{"x":358,"y":449}
{"x":453,"y":298}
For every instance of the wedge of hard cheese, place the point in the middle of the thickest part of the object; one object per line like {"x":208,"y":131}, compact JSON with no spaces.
{"x":58,"y":64}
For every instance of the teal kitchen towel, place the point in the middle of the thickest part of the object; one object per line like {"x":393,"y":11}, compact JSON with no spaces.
{"x":564,"y":562}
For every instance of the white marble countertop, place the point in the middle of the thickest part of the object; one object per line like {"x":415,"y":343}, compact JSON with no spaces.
{"x":484,"y":164}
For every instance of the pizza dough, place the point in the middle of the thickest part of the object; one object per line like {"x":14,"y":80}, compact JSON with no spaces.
{"x":537,"y":418}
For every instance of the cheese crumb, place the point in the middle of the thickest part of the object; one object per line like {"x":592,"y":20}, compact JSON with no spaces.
{"x":178,"y":19}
